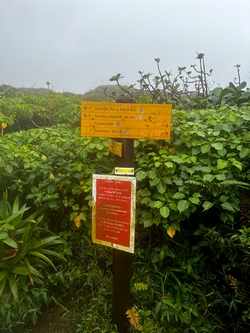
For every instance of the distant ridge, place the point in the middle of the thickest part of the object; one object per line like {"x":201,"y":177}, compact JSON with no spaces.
{"x":96,"y":95}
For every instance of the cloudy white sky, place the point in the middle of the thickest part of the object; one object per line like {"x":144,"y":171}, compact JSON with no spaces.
{"x":79,"y":44}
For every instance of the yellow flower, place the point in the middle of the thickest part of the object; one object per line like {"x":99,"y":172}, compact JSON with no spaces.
{"x":172,"y":150}
{"x":77,"y":221}
{"x":44,"y":158}
{"x":4,"y":125}
{"x":51,"y":176}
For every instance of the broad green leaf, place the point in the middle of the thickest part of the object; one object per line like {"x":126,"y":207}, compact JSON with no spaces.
{"x":201,"y":133}
{"x":9,"y":168}
{"x":217,"y":91}
{"x":8,"y":227}
{"x":161,"y":187}
{"x":220,"y":176}
{"x":221,"y":164}
{"x":222,"y":152}
{"x":227,"y":127}
{"x":194,"y":200}
{"x":227,"y":206}
{"x":207,"y":205}
{"x":178,"y":181}
{"x":169,"y":165}
{"x":176,"y":159}
{"x":83,"y":216}
{"x":9,"y":241}
{"x":208,"y":177}
{"x":154,"y":182}
{"x":164,"y":211}
{"x":183,"y":205}
{"x":51,"y":188}
{"x":244,"y":152}
{"x":73,"y":215}
{"x":197,"y":143}
{"x":232,"y":117}
{"x":3,"y":235}
{"x":176,"y":226}
{"x":158,"y":204}
{"x":173,"y":206}
{"x":205,"y":148}
{"x":223,"y":198}
{"x":144,"y":192}
{"x":178,"y":195}
{"x":152,"y":174}
{"x":147,"y":222}
{"x":217,"y":145}
{"x":193,"y":159}
{"x":237,"y":164}
{"x":43,"y":136}
{"x":140,"y":175}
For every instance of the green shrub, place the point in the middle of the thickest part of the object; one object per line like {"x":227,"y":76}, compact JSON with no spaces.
{"x":26,"y":249}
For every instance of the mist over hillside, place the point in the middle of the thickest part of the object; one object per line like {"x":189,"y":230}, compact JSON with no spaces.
{"x":98,"y":94}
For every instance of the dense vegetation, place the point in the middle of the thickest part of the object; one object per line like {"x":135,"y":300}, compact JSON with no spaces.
{"x":192,"y":257}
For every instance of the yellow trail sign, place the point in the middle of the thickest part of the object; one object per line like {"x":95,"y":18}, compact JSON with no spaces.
{"x":128,"y":121}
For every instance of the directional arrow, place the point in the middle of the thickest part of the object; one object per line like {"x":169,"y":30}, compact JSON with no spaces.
{"x":86,"y":108}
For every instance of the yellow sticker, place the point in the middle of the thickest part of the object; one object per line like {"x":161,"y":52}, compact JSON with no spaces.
{"x":115,"y":147}
{"x":124,"y":171}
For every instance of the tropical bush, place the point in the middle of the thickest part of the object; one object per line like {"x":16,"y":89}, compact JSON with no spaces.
{"x":30,"y":111}
{"x":25,"y":251}
{"x":189,"y":89}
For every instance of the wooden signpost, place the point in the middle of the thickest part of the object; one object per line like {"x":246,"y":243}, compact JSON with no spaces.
{"x":113,"y":213}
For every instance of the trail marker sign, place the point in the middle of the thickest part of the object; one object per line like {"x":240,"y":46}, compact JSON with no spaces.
{"x":113,"y":213}
{"x":127,"y":121}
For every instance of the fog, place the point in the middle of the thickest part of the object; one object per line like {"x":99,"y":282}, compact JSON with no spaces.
{"x":77,"y":44}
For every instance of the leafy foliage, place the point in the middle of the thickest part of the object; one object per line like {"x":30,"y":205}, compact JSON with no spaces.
{"x":189,"y":89}
{"x":31,"y":111}
{"x":191,"y":267}
{"x":26,"y":249}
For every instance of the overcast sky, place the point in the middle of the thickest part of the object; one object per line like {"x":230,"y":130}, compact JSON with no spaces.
{"x":79,"y":44}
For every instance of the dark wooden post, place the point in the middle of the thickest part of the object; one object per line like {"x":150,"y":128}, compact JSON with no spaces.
{"x":122,"y":260}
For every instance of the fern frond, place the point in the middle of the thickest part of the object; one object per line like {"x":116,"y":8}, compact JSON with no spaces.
{"x":140,"y":286}
{"x":233,"y":282}
{"x":227,"y":183}
{"x":195,"y":182}
{"x":133,"y":316}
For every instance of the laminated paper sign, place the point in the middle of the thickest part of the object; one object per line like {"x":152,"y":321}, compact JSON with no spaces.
{"x":113,"y":214}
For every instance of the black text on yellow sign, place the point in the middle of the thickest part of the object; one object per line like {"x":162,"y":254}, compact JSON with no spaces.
{"x":122,"y":120}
